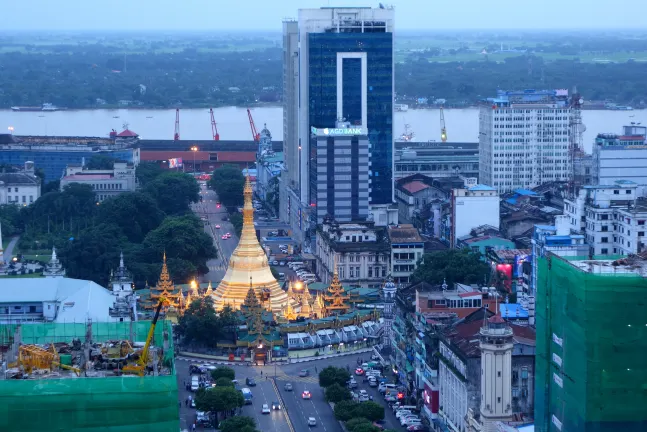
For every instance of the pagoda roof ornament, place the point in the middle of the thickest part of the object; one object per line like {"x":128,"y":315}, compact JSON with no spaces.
{"x":336,"y":298}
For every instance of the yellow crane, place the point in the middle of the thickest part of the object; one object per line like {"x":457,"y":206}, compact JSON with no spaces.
{"x":443,"y":129}
{"x":139,"y":368}
{"x":32,"y":357}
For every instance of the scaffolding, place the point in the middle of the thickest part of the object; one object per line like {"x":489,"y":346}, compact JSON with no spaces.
{"x":591,"y":344}
{"x":85,"y":403}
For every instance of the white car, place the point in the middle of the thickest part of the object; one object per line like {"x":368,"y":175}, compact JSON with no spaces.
{"x":410,"y":421}
{"x":265,"y":409}
{"x":312,"y":421}
{"x":402,"y":412}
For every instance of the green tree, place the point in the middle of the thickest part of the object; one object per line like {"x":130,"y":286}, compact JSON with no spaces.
{"x":223,"y":372}
{"x":224,"y":382}
{"x":345,"y":410}
{"x":184,"y":240}
{"x":93,"y":253}
{"x":360,"y":424}
{"x":134,"y":212}
{"x":219,"y":399}
{"x":174,"y":192}
{"x":336,"y":393}
{"x":333,"y":375}
{"x":200,"y":324}
{"x":11,"y":220}
{"x":52,"y":186}
{"x":238,"y":424}
{"x":228,"y":182}
{"x":236,"y":220}
{"x":100,"y":162}
{"x":452,"y":266}
{"x":370,"y":410}
{"x":146,"y":172}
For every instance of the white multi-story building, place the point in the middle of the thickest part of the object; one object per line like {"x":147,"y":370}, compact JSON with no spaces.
{"x":472,"y":207}
{"x":524,"y":139}
{"x":105,"y":183}
{"x":613,"y":218}
{"x":407,"y":248}
{"x":20,"y":188}
{"x":361,"y":251}
{"x":620,"y":157}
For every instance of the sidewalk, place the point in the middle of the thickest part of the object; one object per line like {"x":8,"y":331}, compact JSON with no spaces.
{"x":299,"y":357}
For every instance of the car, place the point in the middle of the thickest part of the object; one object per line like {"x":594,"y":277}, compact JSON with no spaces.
{"x":375,"y":357}
{"x":287,"y":387}
{"x":312,"y":421}
{"x":409,"y":421}
{"x":390,"y":398}
{"x":217,"y":226}
{"x":306,"y":395}
{"x":418,"y":427}
{"x":276,"y":405}
{"x":228,"y":235}
{"x":251,"y":382}
{"x":372,"y":382}
{"x":192,"y":403}
{"x":352,"y":383}
{"x":384,"y":386}
{"x":265,"y":409}
{"x":304,"y":373}
{"x":402,"y":412}
{"x":282,"y":263}
{"x":359,"y":371}
{"x":275,"y":262}
{"x":224,"y":237}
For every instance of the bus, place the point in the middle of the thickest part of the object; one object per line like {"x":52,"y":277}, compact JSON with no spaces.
{"x":247,"y":394}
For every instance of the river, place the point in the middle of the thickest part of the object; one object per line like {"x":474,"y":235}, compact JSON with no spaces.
{"x":462,"y":124}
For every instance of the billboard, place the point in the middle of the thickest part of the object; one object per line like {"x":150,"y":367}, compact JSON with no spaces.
{"x":175,"y":163}
{"x":348,"y":131}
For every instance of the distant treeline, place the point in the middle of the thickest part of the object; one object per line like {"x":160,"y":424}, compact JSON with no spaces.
{"x":95,"y":76}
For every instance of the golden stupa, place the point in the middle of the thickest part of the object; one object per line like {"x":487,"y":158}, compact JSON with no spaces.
{"x":248,"y":263}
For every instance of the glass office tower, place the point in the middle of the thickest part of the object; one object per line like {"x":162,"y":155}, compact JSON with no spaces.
{"x":325,"y":51}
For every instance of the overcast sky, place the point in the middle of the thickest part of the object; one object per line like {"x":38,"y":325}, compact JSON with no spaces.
{"x":267,"y":14}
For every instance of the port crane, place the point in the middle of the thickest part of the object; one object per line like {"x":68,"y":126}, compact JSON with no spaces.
{"x":443,"y":129}
{"x":255,"y":135}
{"x":176,"y":135}
{"x":214,"y":128}
{"x":139,"y":368}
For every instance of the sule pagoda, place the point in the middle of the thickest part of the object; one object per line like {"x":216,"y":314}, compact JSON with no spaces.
{"x":267,"y":313}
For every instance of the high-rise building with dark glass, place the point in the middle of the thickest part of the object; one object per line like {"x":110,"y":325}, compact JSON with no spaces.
{"x":345,"y":75}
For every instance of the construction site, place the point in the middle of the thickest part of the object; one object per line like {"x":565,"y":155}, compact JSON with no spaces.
{"x":115,"y":377}
{"x":591,"y":344}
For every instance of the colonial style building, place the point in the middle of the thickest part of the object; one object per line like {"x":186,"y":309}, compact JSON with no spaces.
{"x":360,"y":250}
{"x":105,"y":183}
{"x":20,"y":188}
{"x":407,"y":248}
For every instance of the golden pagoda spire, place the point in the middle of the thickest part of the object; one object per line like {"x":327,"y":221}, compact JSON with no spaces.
{"x":306,"y":306}
{"x":336,"y":299}
{"x":164,"y":289}
{"x":194,"y":288}
{"x":189,"y":299}
{"x":249,"y":259}
{"x":209,"y":291}
{"x":290,"y":291}
{"x":289,"y":313}
{"x":319,"y":307}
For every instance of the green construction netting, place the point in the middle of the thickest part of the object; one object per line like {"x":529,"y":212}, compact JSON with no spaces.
{"x":591,"y":367}
{"x":112,"y":404}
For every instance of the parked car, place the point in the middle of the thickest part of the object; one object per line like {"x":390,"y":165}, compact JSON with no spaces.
{"x":417,"y":428}
{"x":352,"y":383}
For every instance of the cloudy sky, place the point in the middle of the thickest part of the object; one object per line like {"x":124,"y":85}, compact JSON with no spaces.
{"x":267,"y":14}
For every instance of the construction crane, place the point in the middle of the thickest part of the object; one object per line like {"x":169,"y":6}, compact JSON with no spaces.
{"x":32,"y":357}
{"x":139,"y":368}
{"x":214,"y":128}
{"x":255,"y":135}
{"x":443,"y":129}
{"x":176,"y":135}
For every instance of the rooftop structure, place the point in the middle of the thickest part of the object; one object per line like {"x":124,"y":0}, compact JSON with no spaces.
{"x":590,"y":343}
{"x":105,"y":183}
{"x":248,"y":265}
{"x":436,"y":159}
{"x":21,"y":187}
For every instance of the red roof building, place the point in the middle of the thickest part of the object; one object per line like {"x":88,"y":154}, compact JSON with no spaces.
{"x":127,"y":134}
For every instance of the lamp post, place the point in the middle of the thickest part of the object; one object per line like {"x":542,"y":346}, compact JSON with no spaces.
{"x":194,"y":149}
{"x":10,"y":128}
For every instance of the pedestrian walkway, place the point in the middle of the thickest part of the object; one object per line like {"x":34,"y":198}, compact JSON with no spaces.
{"x":289,"y":378}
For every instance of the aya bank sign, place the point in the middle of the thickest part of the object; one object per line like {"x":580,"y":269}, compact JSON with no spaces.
{"x":339,"y":131}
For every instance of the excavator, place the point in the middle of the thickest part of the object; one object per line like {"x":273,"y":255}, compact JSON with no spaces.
{"x":139,"y":367}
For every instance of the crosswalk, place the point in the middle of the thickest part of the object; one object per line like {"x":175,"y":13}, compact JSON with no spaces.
{"x":306,"y":380}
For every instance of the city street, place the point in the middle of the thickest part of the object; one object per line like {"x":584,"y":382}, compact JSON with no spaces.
{"x":298,"y":409}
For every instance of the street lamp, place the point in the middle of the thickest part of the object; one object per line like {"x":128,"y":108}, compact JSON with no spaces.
{"x":10,"y":128}
{"x":194,"y":149}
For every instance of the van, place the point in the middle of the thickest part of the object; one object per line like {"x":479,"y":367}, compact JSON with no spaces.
{"x":308,"y":275}
{"x":195,"y":383}
{"x":384,"y":386}
{"x":295,"y":264}
{"x":247,"y":395}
